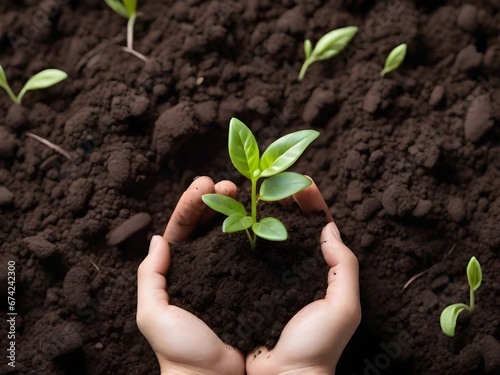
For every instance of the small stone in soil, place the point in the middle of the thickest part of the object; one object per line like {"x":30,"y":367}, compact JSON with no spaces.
{"x":128,"y":228}
{"x":6,"y":196}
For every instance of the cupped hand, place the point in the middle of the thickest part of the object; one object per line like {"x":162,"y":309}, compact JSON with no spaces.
{"x":313,"y":340}
{"x":182,"y":343}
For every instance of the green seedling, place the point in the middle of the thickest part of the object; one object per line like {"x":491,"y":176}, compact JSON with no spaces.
{"x":128,"y":10}
{"x":395,"y":59}
{"x":278,"y":157}
{"x":42,"y":80}
{"x":450,"y":314}
{"x":330,"y":45}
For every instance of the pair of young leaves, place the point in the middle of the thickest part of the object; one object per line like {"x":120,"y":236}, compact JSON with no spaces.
{"x":449,"y":316}
{"x":42,"y":80}
{"x":246,"y":158}
{"x":125,"y":8}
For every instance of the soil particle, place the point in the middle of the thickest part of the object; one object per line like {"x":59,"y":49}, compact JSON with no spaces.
{"x":468,"y":59}
{"x":425,"y":152}
{"x":379,"y":96}
{"x":79,"y":193}
{"x":490,"y":348}
{"x":470,"y":358}
{"x":422,"y":208}
{"x":206,"y":112}
{"x":367,"y":209}
{"x":76,"y":288}
{"x":40,"y":247}
{"x":292,"y":21}
{"x":126,"y":106}
{"x":456,"y":208}
{"x":478,"y":120}
{"x":320,"y":101}
{"x":61,"y":339}
{"x":8,"y":143}
{"x":397,"y":200}
{"x":437,"y":96}
{"x":174,"y":127}
{"x":492,"y":59}
{"x":17,"y":117}
{"x":128,"y":228}
{"x":467,"y":18}
{"x":119,"y":167}
{"x":355,"y":191}
{"x":6,"y":196}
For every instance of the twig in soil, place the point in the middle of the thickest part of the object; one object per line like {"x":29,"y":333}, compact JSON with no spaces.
{"x":50,"y":144}
{"x":418,"y":275}
{"x":95,"y":266}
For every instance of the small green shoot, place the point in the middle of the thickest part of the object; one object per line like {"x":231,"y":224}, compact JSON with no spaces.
{"x":330,"y":45}
{"x":450,"y":314}
{"x":128,"y":10}
{"x":42,"y":80}
{"x":395,"y":59}
{"x":245,"y":156}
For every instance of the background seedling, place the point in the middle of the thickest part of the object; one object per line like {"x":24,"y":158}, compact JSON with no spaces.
{"x":128,"y":10}
{"x":450,"y":314}
{"x":330,"y":45}
{"x":395,"y":59}
{"x":42,"y":80}
{"x":245,"y":156}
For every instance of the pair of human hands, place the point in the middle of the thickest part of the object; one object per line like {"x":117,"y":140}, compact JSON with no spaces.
{"x":311,"y":343}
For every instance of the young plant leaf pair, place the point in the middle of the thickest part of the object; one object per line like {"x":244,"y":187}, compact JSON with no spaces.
{"x":42,"y":80}
{"x":449,"y":316}
{"x":330,"y":45}
{"x":279,"y":184}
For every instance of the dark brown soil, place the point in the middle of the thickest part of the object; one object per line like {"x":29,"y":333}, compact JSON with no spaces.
{"x":409,"y":164}
{"x":246,"y":296}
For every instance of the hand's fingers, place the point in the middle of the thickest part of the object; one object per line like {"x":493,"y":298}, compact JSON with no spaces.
{"x":224,"y":187}
{"x":310,"y":200}
{"x":189,"y":210}
{"x":151,"y":282}
{"x":343,"y":277}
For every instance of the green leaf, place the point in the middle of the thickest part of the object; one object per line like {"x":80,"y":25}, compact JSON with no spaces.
{"x":223,"y":204}
{"x":270,"y":229}
{"x":43,"y":80}
{"x":395,"y":59}
{"x":335,"y":40}
{"x":307,"y":48}
{"x":474,"y":274}
{"x":243,"y":149}
{"x":236,"y":223}
{"x":283,"y":185}
{"x":118,"y":7}
{"x":3,"y":78}
{"x":285,"y":151}
{"x":448,"y":319}
{"x":131,"y":6}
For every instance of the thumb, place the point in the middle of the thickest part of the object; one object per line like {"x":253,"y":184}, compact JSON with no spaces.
{"x":151,"y":280}
{"x":343,"y":277}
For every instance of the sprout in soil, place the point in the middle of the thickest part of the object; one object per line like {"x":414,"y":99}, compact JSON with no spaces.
{"x":395,"y":59}
{"x":42,"y":80}
{"x":127,"y":9}
{"x":450,"y":314}
{"x":279,"y":156}
{"x":330,"y":45}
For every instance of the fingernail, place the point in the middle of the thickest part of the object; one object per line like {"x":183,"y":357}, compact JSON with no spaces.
{"x":334,"y":231}
{"x":155,"y":241}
